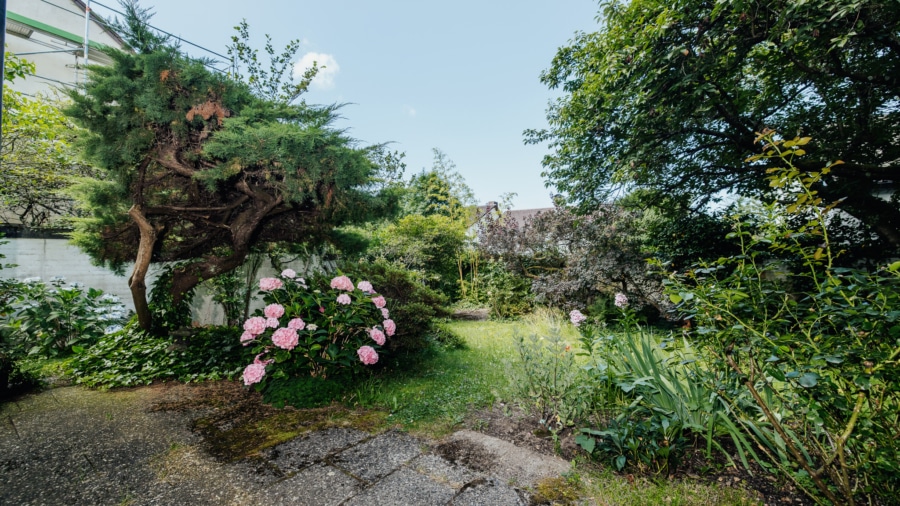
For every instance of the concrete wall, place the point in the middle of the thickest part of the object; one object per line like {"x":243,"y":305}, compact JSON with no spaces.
{"x":49,"y":257}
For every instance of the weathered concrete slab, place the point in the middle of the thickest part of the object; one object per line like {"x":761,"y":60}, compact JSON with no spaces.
{"x":442,"y":471}
{"x":488,"y":493}
{"x":299,"y":453}
{"x":318,"y":485}
{"x":379,"y":456}
{"x":404,"y":487}
{"x":512,"y":464}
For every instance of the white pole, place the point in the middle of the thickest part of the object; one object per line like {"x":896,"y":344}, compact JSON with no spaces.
{"x":87,"y":26}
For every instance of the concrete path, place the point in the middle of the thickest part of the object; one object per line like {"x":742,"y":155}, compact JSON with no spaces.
{"x":73,"y":446}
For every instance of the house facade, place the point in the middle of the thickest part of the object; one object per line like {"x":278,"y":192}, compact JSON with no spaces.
{"x":50,"y":34}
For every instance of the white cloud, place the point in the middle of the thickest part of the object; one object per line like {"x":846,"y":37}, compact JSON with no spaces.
{"x":328,"y":69}
{"x":410,"y":110}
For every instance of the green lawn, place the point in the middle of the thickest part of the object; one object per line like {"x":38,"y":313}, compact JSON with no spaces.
{"x":433,"y":397}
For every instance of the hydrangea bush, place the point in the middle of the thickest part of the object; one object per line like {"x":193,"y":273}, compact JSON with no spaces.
{"x":317,"y":332}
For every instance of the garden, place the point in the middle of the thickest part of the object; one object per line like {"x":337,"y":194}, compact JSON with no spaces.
{"x":710,"y":314}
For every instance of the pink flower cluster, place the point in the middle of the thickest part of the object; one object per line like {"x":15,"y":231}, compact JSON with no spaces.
{"x":285,"y":338}
{"x":269,"y":284}
{"x":621,"y":300}
{"x":343,"y":299}
{"x":342,"y":283}
{"x":296,"y":324}
{"x":365,"y":287}
{"x":254,"y":372}
{"x":367,"y":355}
{"x":576,"y":317}
{"x":274,"y":311}
{"x":377,"y":336}
{"x":385,"y":313}
{"x":379,"y":302}
{"x":255,"y":325}
{"x":389,"y":327}
{"x":289,"y":273}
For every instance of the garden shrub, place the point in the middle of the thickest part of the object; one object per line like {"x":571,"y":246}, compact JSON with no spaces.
{"x":324,"y":331}
{"x":813,"y":351}
{"x":414,"y":306}
{"x":50,"y":320}
{"x":131,"y":357}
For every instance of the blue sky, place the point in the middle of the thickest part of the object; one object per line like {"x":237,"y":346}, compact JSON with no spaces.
{"x":460,"y":76}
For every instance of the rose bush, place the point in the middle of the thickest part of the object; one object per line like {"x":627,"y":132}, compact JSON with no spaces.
{"x":304,"y":331}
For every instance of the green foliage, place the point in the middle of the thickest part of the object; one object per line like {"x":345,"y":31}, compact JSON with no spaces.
{"x":414,"y":306}
{"x":38,"y":159}
{"x":169,"y":314}
{"x":551,"y":382}
{"x":812,"y":350}
{"x":506,"y":294}
{"x":234,"y":290}
{"x":132,"y":357}
{"x":428,"y":246}
{"x":667,"y":98}
{"x":303,"y":392}
{"x":53,"y":320}
{"x":276,"y":83}
{"x":651,"y":443}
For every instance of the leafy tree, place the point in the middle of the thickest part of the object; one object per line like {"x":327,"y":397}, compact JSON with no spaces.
{"x":201,"y":169}
{"x":272,"y":84}
{"x":441,"y":190}
{"x":38,"y":161}
{"x":572,"y":260}
{"x":668,"y":97}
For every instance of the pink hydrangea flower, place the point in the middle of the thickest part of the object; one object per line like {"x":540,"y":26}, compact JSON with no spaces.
{"x":289,"y":273}
{"x":246,"y":337}
{"x":365,"y":287}
{"x":285,"y":338}
{"x":296,"y":324}
{"x":377,"y":336}
{"x":342,"y":283}
{"x":269,"y":284}
{"x":255,"y":325}
{"x":254,"y":373}
{"x":274,"y":311}
{"x":379,"y":301}
{"x":367,"y":355}
{"x":576,"y":317}
{"x":389,"y":327}
{"x":385,"y":313}
{"x":621,"y":300}
{"x":272,"y":323}
{"x":343,"y":299}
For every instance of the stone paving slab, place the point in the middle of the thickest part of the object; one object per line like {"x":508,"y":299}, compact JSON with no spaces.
{"x":378,"y":456}
{"x":73,"y":446}
{"x":404,"y":487}
{"x":299,"y":453}
{"x":318,"y":485}
{"x":487,"y":493}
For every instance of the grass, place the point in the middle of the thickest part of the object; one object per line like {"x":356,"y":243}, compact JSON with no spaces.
{"x":433,"y":397}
